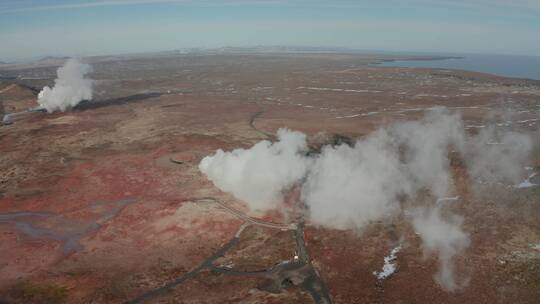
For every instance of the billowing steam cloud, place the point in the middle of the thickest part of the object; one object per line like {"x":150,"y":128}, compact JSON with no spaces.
{"x":348,"y":187}
{"x":259,"y":175}
{"x":443,"y":236}
{"x":498,"y":156}
{"x":70,"y":88}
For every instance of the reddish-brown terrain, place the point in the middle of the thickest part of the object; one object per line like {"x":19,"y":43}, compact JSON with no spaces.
{"x":101,"y":204}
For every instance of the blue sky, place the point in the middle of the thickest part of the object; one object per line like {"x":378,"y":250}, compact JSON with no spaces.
{"x":34,"y":28}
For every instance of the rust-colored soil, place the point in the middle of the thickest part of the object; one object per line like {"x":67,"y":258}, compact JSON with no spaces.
{"x":98,"y":205}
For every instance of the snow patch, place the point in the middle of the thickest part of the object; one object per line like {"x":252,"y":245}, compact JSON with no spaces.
{"x":446,"y":199}
{"x":475,"y":126}
{"x":338,"y":90}
{"x":526,"y":183}
{"x":389,"y":266}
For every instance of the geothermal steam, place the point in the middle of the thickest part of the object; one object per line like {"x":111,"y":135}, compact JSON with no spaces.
{"x":443,"y":236}
{"x":260,"y":174}
{"x":70,"y":88}
{"x":347,"y":187}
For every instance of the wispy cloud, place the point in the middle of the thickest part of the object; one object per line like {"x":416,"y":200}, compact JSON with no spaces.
{"x":83,"y":5}
{"x":21,"y":6}
{"x":493,"y":26}
{"x":92,"y":4}
{"x":522,"y":4}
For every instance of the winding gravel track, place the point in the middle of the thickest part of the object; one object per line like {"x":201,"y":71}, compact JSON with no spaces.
{"x":246,"y":218}
{"x":299,"y":267}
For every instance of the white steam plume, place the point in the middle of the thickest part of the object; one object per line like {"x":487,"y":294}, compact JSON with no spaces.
{"x":498,"y":156}
{"x":259,"y":175}
{"x":425,"y":144}
{"x":348,"y":187}
{"x":442,"y":236}
{"x":70,"y":88}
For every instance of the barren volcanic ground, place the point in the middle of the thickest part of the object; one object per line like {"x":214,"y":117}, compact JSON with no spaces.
{"x":103,"y":204}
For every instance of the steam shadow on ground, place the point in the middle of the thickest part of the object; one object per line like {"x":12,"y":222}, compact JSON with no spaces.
{"x":90,"y":105}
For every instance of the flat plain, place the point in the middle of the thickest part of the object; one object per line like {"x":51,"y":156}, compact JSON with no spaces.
{"x":104,"y":203}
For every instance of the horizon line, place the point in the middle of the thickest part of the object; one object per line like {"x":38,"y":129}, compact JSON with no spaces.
{"x":292,"y":49}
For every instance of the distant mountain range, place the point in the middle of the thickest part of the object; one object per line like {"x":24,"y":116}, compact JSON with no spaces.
{"x":48,"y":58}
{"x":230,"y":50}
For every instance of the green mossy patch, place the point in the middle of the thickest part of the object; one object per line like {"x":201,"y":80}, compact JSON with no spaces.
{"x":45,"y":293}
